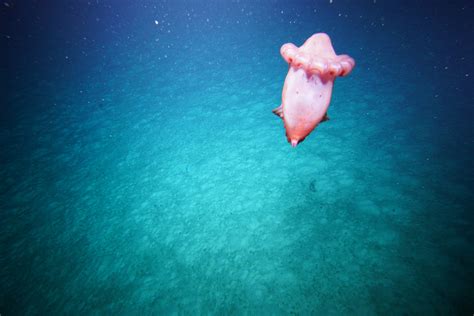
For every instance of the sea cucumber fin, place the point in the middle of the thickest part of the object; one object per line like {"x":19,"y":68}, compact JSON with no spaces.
{"x":278,"y":111}
{"x":325,"y":118}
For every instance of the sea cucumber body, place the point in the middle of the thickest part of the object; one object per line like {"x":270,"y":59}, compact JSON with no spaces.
{"x":305,"y":101}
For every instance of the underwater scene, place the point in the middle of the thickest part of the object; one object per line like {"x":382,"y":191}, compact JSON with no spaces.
{"x":143,"y":171}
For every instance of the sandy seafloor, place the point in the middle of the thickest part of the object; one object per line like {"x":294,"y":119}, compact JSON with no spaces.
{"x":144,"y":173}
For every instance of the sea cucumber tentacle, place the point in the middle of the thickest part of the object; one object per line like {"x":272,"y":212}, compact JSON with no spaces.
{"x":316,"y":56}
{"x":335,"y":68}
{"x":289,"y":51}
{"x":318,"y":66}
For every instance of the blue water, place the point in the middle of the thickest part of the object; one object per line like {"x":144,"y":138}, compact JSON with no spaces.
{"x":142,"y":171}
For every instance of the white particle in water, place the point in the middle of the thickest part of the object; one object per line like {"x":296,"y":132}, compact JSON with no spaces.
{"x":156,"y":22}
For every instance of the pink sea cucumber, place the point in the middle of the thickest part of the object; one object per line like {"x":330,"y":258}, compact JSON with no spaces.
{"x":308,"y":85}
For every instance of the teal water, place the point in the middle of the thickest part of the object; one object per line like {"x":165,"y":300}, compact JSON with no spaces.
{"x":144,"y":173}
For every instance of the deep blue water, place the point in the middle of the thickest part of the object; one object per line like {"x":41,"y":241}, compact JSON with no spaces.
{"x":142,"y":170}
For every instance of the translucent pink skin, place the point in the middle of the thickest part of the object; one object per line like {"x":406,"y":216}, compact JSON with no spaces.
{"x":308,"y":85}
